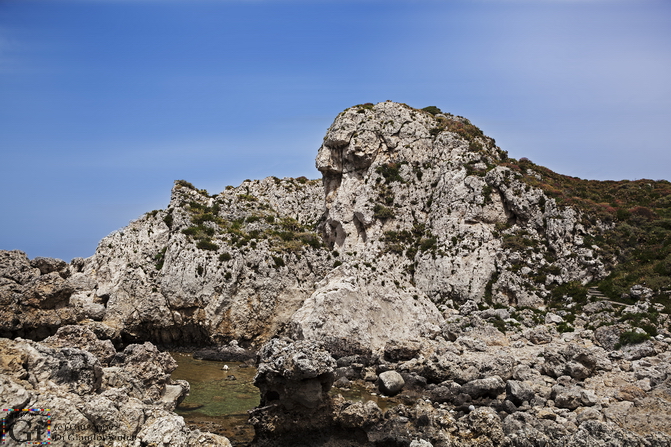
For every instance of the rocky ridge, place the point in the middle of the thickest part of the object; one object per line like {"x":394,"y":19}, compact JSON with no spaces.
{"x":416,"y":214}
{"x":426,"y":260}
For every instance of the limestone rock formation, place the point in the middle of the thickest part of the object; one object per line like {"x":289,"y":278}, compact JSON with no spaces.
{"x":35,"y":296}
{"x":422,"y":216}
{"x":96,"y":397}
{"x":425,"y":254}
{"x":567,"y":391}
{"x":294,"y":379}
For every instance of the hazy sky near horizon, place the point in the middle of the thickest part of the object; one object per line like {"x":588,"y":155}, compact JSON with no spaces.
{"x":104,"y":103}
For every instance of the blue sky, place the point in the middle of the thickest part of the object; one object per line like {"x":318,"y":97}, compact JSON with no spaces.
{"x":104,"y":103}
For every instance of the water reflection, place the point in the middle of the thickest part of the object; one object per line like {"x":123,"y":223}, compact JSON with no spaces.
{"x":219,"y":399}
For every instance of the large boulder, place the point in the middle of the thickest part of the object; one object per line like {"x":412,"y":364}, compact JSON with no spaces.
{"x":518,"y":392}
{"x":390,"y":383}
{"x":294,"y":374}
{"x":487,"y":387}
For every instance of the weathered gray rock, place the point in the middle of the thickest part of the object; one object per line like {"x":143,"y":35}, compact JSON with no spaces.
{"x":639,"y":351}
{"x":84,"y":403}
{"x":573,"y":360}
{"x":489,"y":387}
{"x":445,"y":392}
{"x":420,"y":443}
{"x":485,"y":421}
{"x":294,"y":374}
{"x":572,"y":397}
{"x":226,"y":353}
{"x":401,"y":350}
{"x":360,"y":414}
{"x":81,"y":337}
{"x":354,"y":311}
{"x":538,"y":335}
{"x":49,"y":265}
{"x":390,"y":383}
{"x":34,"y":296}
{"x":518,"y":392}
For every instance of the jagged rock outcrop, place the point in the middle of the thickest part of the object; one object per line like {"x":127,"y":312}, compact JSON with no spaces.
{"x":417,"y":213}
{"x":422,"y":216}
{"x":35,"y":296}
{"x":402,"y":181}
{"x":294,"y":379}
{"x":233,"y":266}
{"x":95,"y":396}
{"x":424,"y":255}
{"x":509,"y":391}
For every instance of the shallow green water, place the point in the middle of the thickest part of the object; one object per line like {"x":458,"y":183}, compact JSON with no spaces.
{"x":219,"y":405}
{"x":212,"y":388}
{"x":216,"y":403}
{"x":362,"y":394}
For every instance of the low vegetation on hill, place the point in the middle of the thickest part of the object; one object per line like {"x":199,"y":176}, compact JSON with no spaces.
{"x":633,"y":223}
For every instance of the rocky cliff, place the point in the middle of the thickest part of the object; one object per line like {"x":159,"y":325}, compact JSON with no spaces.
{"x":418,"y":212}
{"x":510,"y":305}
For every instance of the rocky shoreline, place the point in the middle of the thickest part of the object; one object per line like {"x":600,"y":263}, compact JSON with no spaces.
{"x":533,"y":386}
{"x":95,"y":395}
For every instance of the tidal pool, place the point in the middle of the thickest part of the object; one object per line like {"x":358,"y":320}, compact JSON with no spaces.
{"x":218,"y":403}
{"x":219,"y":399}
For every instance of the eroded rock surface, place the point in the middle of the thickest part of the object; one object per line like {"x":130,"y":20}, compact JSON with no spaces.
{"x":102,"y":397}
{"x":423,"y":252}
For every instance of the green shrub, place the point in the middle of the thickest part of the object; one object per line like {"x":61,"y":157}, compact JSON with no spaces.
{"x":247,"y":197}
{"x":428,"y":244}
{"x":206,"y":244}
{"x":168,"y":219}
{"x":564,"y":327}
{"x":190,"y":231}
{"x":650,"y":329}
{"x":382,"y":212}
{"x":573,"y":289}
{"x":310,"y":239}
{"x":516,"y":242}
{"x":185,"y":184}
{"x":474,"y":146}
{"x":499,"y":324}
{"x":159,"y":258}
{"x":391,"y":172}
{"x":631,"y":338}
{"x":205,"y":217}
{"x":225,"y":257}
{"x":433,"y":110}
{"x":363,"y":107}
{"x":622,"y":214}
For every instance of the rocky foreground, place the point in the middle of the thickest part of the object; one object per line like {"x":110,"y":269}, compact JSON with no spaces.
{"x":95,"y":395}
{"x":493,"y":301}
{"x":472,"y":385}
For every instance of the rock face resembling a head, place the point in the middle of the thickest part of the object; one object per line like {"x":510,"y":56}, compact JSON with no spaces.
{"x":393,"y":156}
